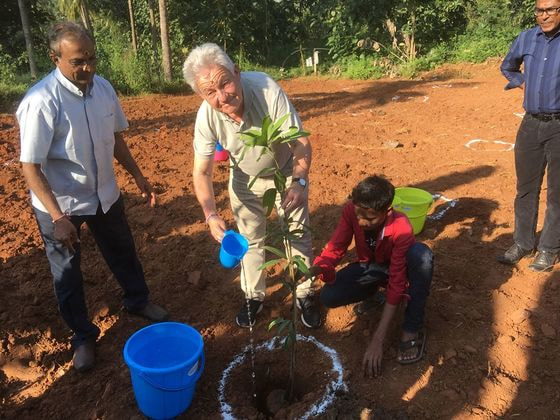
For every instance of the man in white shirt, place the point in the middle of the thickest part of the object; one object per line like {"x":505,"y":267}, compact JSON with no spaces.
{"x":235,"y":102}
{"x":70,"y":125}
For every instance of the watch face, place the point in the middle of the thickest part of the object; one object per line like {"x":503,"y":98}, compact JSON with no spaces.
{"x":301,"y":182}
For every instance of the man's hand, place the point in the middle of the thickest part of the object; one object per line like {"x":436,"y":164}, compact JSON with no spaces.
{"x":217,"y":227}
{"x":294,"y":198}
{"x":65,"y":232}
{"x":372,"y":358}
{"x":146,"y":189}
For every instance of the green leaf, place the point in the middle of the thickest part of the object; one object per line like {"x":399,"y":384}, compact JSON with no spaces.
{"x":292,"y":134}
{"x":277,"y":322}
{"x":270,"y":263}
{"x":275,"y":251}
{"x":274,"y":129}
{"x":280,"y":181}
{"x":267,"y":121}
{"x":262,"y":172}
{"x":269,"y":199}
{"x":300,"y":264}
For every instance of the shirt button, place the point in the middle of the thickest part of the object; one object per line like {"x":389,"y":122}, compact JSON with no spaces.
{"x":546,"y":58}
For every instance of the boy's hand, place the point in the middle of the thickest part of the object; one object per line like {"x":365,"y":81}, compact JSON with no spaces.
{"x":372,"y":358}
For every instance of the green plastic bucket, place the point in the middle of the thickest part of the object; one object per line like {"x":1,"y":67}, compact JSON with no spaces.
{"x":415,"y":203}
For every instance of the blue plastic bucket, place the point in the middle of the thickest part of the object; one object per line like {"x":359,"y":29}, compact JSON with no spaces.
{"x":165,"y":361}
{"x":233,"y":248}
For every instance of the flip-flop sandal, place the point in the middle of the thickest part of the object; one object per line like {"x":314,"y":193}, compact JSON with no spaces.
{"x":418,"y":343}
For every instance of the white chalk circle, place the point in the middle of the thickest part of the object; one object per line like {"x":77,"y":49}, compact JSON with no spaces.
{"x":319,"y":407}
{"x":503,"y":146}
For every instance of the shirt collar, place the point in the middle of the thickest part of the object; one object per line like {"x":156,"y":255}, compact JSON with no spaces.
{"x":71,"y":86}
{"x":540,"y":32}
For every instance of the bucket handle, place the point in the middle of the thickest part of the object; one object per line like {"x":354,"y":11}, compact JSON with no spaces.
{"x":195,"y":377}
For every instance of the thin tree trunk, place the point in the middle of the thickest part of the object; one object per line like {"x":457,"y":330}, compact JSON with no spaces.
{"x":28,"y":39}
{"x":132,"y":26}
{"x":84,"y":13}
{"x":153,"y":29}
{"x":165,"y":48}
{"x":302,"y":60}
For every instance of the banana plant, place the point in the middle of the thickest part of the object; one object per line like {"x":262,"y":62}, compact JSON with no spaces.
{"x":285,"y":231}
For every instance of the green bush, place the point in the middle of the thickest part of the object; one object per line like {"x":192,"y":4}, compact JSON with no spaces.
{"x":363,"y":67}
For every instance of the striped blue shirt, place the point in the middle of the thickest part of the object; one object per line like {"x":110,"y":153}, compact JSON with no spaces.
{"x":540,"y":56}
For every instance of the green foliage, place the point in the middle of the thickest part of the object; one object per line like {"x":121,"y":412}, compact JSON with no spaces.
{"x":12,"y":84}
{"x":361,"y":68}
{"x":410,"y":36}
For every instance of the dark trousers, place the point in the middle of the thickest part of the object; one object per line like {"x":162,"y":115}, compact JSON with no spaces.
{"x":114,"y":239}
{"x":537,"y":147}
{"x":358,"y":281}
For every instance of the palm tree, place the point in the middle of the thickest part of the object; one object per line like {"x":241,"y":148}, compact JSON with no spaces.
{"x":165,"y":48}
{"x":76,"y":9}
{"x":28,"y":40}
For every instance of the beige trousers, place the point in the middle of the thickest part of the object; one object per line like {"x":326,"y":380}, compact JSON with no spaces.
{"x":250,"y":216}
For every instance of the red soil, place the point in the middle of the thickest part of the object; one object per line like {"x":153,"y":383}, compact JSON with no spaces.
{"x":492,"y":348}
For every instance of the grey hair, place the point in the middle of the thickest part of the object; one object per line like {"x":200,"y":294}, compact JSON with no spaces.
{"x":66,"y":30}
{"x":205,"y":55}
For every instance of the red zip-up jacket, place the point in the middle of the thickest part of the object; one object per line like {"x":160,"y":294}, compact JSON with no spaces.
{"x":391,"y":247}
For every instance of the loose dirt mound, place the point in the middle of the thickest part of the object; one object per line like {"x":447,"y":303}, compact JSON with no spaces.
{"x":492,"y":339}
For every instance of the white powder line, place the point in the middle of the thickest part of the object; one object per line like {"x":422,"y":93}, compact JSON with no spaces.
{"x":319,"y":407}
{"x":474,"y":141}
{"x":450,"y":204}
{"x":426,"y":99}
{"x":519,"y":114}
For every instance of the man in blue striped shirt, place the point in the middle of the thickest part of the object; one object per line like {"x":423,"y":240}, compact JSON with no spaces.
{"x":538,"y":140}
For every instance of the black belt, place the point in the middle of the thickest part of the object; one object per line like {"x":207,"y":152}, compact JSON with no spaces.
{"x":546,"y":116}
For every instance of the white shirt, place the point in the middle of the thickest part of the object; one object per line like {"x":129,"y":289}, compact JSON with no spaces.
{"x":72,"y":136}
{"x":261,"y":96}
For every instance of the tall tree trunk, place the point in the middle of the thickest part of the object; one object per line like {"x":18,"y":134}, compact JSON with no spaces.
{"x":165,"y":48}
{"x":153,"y":29}
{"x":84,"y":13}
{"x":28,"y":40}
{"x":132,"y":26}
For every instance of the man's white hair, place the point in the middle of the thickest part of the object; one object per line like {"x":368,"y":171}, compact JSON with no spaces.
{"x":204,"y":56}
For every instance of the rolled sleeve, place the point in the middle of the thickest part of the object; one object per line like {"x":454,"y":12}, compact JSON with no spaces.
{"x":204,"y":141}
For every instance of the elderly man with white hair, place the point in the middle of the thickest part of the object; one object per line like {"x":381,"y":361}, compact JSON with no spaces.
{"x":235,"y":101}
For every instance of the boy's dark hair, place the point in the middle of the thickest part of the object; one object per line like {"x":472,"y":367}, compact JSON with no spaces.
{"x":375,"y":193}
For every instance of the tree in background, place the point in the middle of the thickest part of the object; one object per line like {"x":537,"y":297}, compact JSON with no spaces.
{"x":76,"y":9}
{"x":134,"y":38}
{"x":28,"y":39}
{"x":165,"y":48}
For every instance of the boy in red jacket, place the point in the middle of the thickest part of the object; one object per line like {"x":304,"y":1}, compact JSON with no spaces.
{"x":387,"y":256}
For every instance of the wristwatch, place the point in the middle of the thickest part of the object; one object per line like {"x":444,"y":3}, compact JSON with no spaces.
{"x":300,"y":181}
